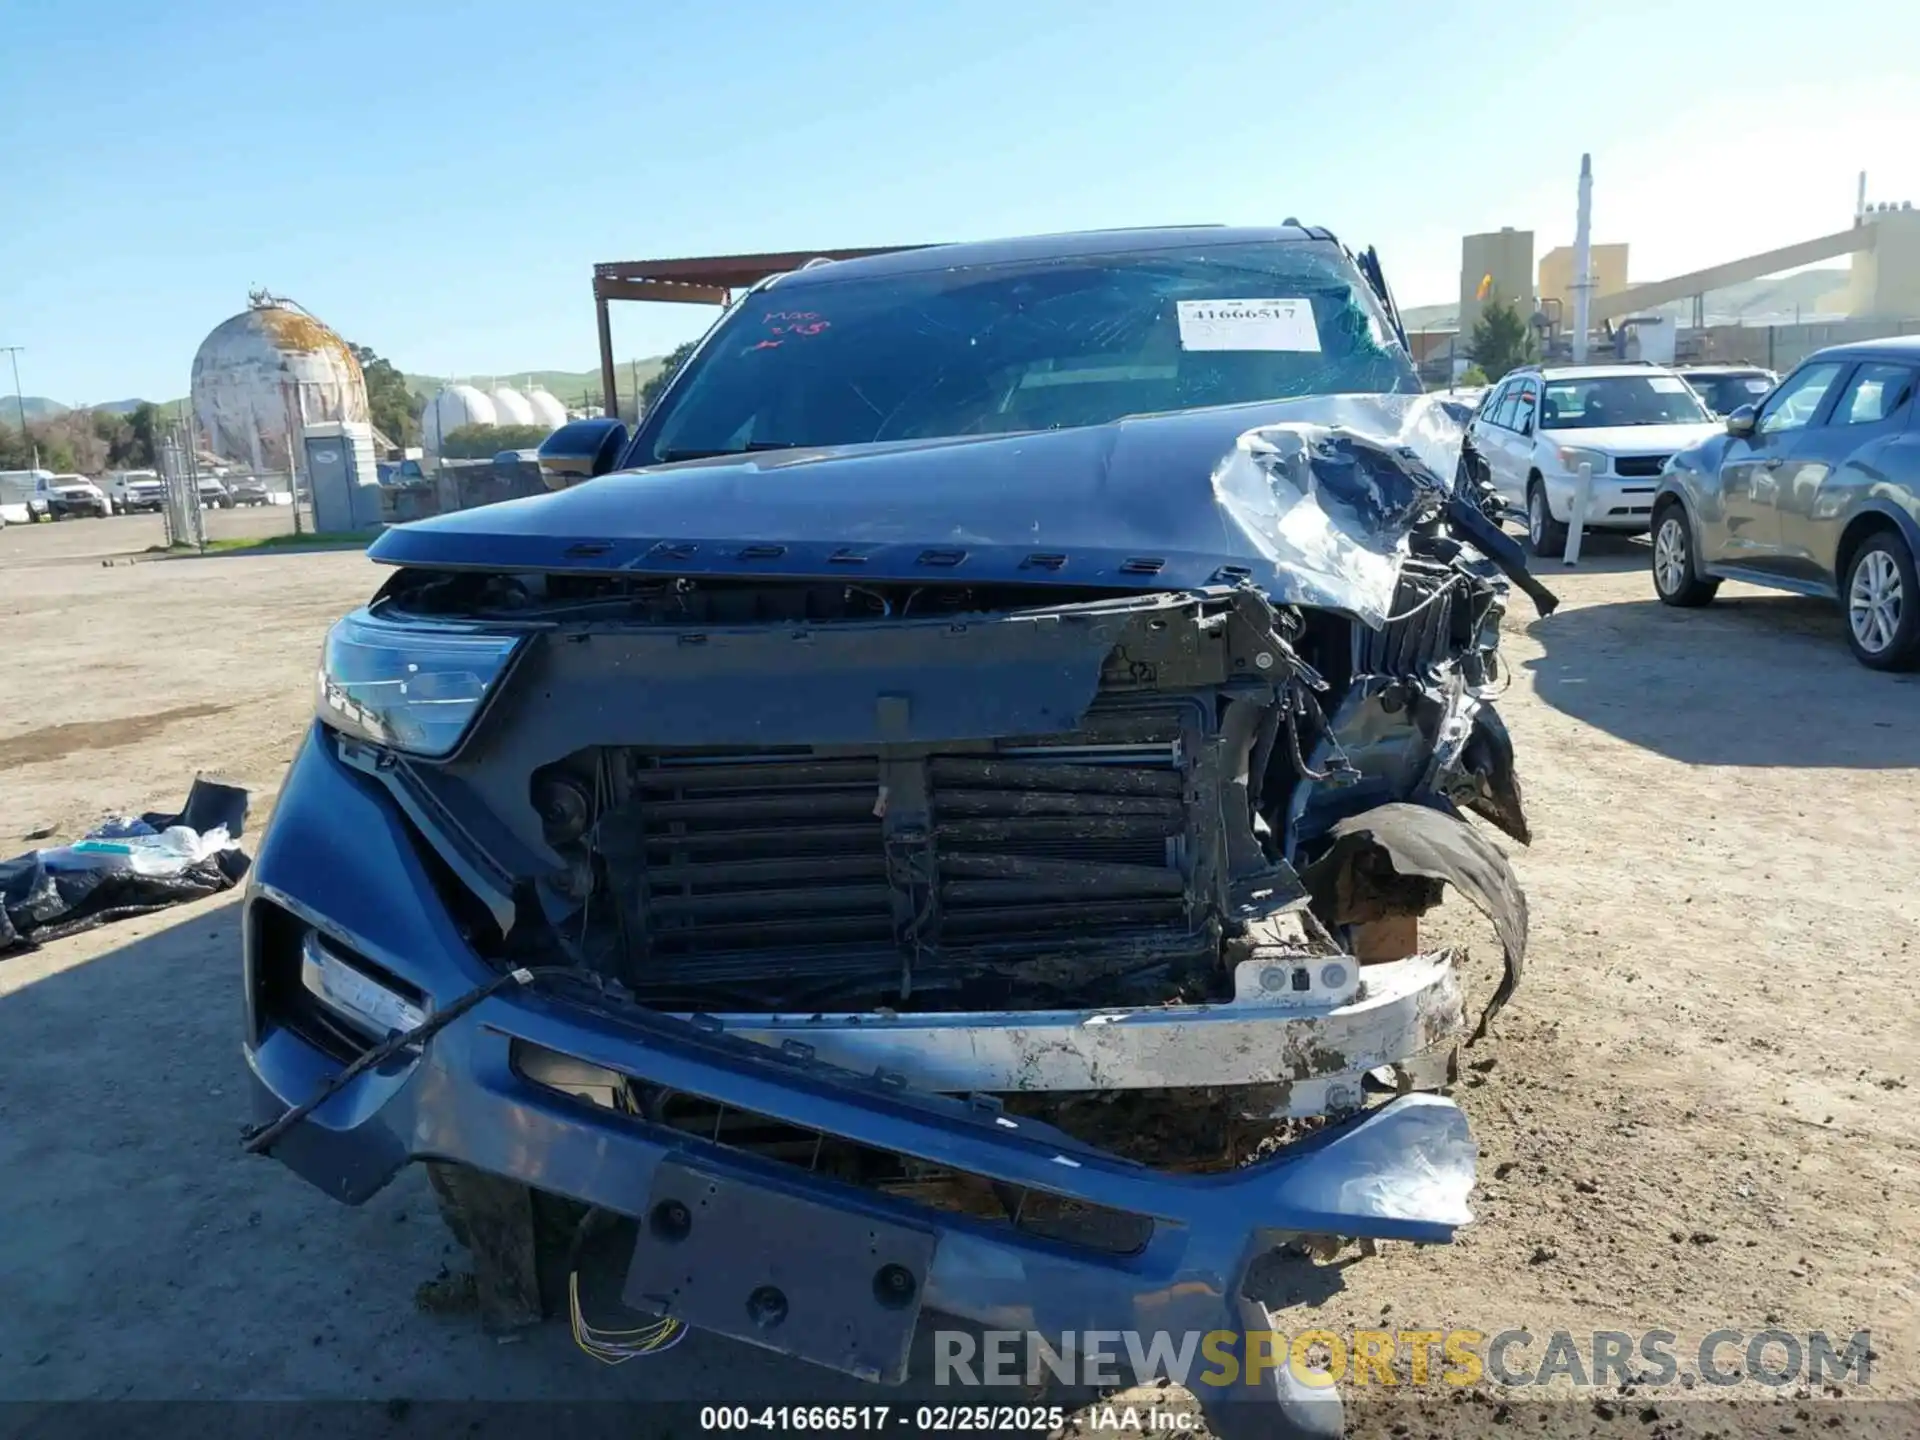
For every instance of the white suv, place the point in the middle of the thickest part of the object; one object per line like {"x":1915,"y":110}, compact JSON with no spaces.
{"x":1541,"y":424}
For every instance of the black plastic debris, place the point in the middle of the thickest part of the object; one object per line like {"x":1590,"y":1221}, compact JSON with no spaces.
{"x":125,"y":868}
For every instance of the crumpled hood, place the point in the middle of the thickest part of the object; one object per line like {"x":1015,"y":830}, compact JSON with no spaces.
{"x":1148,"y":503}
{"x":1636,"y":439}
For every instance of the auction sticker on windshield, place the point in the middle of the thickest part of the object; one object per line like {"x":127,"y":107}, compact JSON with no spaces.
{"x":1247,"y":325}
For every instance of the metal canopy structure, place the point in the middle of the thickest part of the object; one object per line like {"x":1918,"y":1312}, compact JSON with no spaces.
{"x":697,"y":280}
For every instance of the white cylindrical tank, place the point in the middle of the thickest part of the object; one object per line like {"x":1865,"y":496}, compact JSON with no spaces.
{"x":454,"y":407}
{"x":510,"y":407}
{"x":262,"y":374}
{"x":547,"y":410}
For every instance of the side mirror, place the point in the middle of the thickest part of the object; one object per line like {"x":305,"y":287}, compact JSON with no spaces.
{"x":1741,"y":421}
{"x":580,"y":450}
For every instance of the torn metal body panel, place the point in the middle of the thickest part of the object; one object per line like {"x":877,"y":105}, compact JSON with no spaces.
{"x":953,"y":839}
{"x":1362,"y":875}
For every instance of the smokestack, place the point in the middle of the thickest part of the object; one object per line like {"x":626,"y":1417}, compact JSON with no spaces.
{"x":1583,"y":261}
{"x":1860,"y":202}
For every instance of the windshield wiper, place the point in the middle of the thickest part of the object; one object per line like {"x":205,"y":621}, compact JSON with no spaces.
{"x":667,"y":457}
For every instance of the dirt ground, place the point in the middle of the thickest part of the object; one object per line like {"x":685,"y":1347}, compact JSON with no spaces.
{"x":1700,"y":1111}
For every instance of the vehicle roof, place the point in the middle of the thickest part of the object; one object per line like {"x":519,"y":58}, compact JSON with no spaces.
{"x":1889,"y":347}
{"x":1722,"y":370}
{"x":1591,"y":372}
{"x":1047,"y":247}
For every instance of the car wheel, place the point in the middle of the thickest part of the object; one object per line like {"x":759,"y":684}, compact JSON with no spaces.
{"x":1676,"y":579}
{"x":1546,"y":536}
{"x":1882,"y":598}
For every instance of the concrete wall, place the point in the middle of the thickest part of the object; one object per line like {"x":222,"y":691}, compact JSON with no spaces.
{"x":1609,"y":266}
{"x":1505,"y":254}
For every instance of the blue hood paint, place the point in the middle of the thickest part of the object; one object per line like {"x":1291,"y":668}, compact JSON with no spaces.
{"x":1105,"y":498}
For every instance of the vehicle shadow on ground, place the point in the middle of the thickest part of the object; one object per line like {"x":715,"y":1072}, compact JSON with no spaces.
{"x":146,"y":1257}
{"x":1601,"y":553}
{"x":1687,"y":684}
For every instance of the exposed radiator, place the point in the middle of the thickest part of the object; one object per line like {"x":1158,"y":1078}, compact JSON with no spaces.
{"x":1066,"y":844}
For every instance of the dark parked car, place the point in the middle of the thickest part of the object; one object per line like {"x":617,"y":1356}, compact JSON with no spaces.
{"x":1723,"y":389}
{"x":888,"y":844}
{"x":1816,"y":491}
{"x":247,"y":490}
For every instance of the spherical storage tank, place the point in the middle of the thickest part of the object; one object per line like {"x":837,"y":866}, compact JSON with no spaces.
{"x":268,"y":370}
{"x":510,"y":407}
{"x":453,"y":407}
{"x":547,"y":411}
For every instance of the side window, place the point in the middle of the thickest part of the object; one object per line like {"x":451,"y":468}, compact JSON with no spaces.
{"x":1503,"y":415}
{"x":1797,"y":401}
{"x":1874,"y":393}
{"x":1526,"y":409}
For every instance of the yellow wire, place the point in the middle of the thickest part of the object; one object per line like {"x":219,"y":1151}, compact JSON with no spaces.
{"x":615,"y":1347}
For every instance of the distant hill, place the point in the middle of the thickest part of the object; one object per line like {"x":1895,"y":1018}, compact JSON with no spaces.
{"x":1774,"y":300}
{"x":569,"y":387}
{"x":38,"y":407}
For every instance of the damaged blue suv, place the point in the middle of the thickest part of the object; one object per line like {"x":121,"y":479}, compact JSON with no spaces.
{"x":911,"y":827}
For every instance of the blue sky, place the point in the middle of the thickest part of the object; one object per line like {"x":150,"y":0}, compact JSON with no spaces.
{"x":436,"y":180}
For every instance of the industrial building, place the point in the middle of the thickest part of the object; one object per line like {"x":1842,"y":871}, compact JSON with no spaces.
{"x":1495,"y":266}
{"x":266,"y":372}
{"x":1881,"y":295}
{"x":1607,"y":265}
{"x":457,"y":405}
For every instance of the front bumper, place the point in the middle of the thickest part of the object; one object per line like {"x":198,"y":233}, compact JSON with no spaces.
{"x":1618,"y":502}
{"x":340,"y":856}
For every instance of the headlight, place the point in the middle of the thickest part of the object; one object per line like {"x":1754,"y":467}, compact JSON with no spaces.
{"x":414,"y":687}
{"x":1573,"y":459}
{"x":351,"y":992}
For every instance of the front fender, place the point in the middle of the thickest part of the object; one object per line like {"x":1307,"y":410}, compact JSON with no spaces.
{"x":1696,"y":490}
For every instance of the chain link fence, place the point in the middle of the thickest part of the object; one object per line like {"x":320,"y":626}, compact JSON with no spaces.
{"x":206,"y":503}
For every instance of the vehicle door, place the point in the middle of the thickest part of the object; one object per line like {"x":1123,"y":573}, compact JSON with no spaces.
{"x":1480,"y":428}
{"x":1748,"y":530}
{"x":1493,"y":436}
{"x":1524,"y":431}
{"x":1832,"y":466}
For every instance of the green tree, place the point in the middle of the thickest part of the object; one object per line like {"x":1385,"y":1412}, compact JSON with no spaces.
{"x":1501,"y":340}
{"x":483,"y":442}
{"x":139,"y":450}
{"x":1474,"y":375}
{"x":18,"y":447}
{"x":394,"y":409}
{"x":64,"y":444}
{"x":651,"y":387}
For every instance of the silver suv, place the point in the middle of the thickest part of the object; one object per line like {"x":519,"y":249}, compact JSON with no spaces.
{"x":1625,"y":421}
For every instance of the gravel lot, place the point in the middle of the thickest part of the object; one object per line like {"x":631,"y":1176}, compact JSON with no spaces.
{"x":1700,"y":1110}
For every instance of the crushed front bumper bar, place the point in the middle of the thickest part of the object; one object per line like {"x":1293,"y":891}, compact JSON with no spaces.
{"x":340,"y":858}
{"x":1309,"y":1029}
